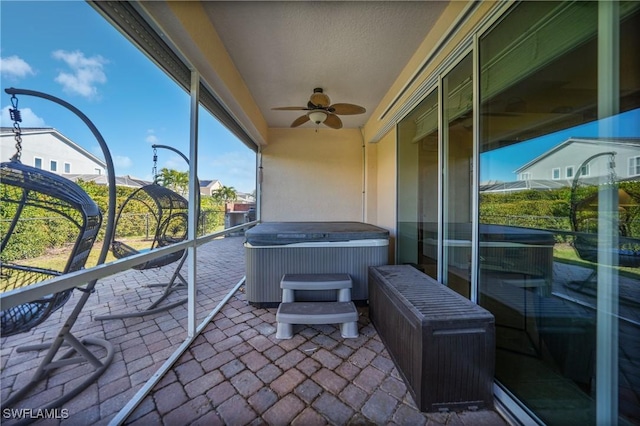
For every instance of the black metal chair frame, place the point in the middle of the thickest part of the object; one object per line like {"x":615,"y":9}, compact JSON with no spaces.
{"x":168,"y":210}
{"x":31,"y":181}
{"x":585,"y":244}
{"x":34,"y":188}
{"x":167,"y":207}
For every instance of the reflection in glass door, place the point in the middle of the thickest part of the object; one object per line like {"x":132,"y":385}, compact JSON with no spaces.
{"x":558,"y":235}
{"x":418,"y":180}
{"x":457,"y":137}
{"x":559,"y":203}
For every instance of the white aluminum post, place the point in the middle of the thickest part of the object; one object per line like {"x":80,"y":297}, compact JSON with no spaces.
{"x":607,"y":293}
{"x":193,"y":207}
{"x":441,"y":256}
{"x":259,"y":177}
{"x":475,"y":170}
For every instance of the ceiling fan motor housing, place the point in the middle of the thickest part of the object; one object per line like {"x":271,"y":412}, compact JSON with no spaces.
{"x":319,"y":99}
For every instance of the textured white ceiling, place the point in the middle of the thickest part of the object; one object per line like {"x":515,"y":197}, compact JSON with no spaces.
{"x":353,"y":50}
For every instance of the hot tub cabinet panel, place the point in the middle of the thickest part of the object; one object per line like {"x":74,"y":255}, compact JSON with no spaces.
{"x":442,"y":344}
{"x":503,"y":249}
{"x":274,"y":249}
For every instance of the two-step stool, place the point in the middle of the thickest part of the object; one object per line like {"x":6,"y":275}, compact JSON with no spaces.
{"x":342,"y":311}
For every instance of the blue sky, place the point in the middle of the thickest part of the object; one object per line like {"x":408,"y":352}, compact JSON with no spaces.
{"x":66,"y":49}
{"x":500,"y":164}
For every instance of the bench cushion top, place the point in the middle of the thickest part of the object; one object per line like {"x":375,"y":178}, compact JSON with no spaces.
{"x":425,"y":296}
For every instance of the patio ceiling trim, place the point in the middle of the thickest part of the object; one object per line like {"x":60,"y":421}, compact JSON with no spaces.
{"x":471,"y":7}
{"x":124,"y":16}
{"x":430,"y":82}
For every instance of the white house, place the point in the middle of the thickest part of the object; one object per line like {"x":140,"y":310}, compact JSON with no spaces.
{"x":48,"y":149}
{"x":562,"y":161}
{"x":208,"y":187}
{"x":245,"y":198}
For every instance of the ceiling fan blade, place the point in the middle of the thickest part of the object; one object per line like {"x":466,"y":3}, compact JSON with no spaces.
{"x":347,"y":109}
{"x":333,"y":121}
{"x":290,"y":108}
{"x":300,"y":120}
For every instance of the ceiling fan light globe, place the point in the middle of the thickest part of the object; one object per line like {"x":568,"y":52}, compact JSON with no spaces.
{"x":318,"y":116}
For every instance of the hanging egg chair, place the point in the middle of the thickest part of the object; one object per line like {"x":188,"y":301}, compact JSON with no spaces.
{"x":31,"y":196}
{"x":37,"y":193}
{"x":586,"y":193}
{"x":164,"y":211}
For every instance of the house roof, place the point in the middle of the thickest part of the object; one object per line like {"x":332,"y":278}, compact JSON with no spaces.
{"x":126,"y":180}
{"x":60,"y":136}
{"x":538,"y":184}
{"x":522,"y":185}
{"x":206,"y":183}
{"x":623,"y":142}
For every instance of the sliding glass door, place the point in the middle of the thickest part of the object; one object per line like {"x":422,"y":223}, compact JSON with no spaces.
{"x":457,"y":175}
{"x":435,"y":181}
{"x":552,"y":212}
{"x":558,"y":207}
{"x":418,"y":183}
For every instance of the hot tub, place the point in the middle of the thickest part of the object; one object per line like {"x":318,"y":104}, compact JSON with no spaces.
{"x":276,"y":248}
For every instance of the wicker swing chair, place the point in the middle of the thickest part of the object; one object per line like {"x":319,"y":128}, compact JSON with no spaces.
{"x":41,"y":193}
{"x":584,"y":220}
{"x":167,"y":212}
{"x":26,"y":191}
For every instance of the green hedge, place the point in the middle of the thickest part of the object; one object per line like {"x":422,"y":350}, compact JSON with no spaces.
{"x":39,"y":230}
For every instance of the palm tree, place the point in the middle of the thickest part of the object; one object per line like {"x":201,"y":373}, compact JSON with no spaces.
{"x":225,"y":194}
{"x":174,"y":180}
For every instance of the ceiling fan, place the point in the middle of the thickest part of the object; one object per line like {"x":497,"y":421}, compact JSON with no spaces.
{"x":320,"y":110}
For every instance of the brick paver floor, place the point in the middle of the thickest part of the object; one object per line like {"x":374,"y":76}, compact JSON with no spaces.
{"x":236,"y":372}
{"x":142,"y":344}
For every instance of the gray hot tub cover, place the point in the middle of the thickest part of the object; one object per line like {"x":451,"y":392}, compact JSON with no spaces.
{"x":282,"y":233}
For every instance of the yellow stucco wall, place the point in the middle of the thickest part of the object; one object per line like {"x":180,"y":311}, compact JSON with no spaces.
{"x":371,"y":183}
{"x":312,"y":176}
{"x":386,"y":188}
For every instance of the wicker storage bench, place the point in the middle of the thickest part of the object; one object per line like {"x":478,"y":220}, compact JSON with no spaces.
{"x":442,"y":344}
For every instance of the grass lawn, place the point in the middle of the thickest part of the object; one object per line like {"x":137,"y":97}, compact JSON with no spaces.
{"x":564,"y":253}
{"x":56,"y":258}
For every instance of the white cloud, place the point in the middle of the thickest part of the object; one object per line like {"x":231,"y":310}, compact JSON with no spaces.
{"x":175,"y":162}
{"x":29,"y":118}
{"x":122,"y":162}
{"x":86,"y":73}
{"x":152,"y":139}
{"x":14,"y":67}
